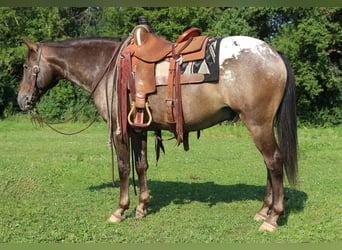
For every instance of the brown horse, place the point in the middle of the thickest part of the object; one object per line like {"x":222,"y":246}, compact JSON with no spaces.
{"x":255,"y":82}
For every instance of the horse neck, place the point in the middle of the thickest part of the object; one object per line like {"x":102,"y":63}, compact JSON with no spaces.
{"x":81,"y":63}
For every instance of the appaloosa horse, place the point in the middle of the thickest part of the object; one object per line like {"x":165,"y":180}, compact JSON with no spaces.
{"x":255,"y":82}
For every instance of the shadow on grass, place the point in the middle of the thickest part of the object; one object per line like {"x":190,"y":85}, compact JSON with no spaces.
{"x":167,"y":192}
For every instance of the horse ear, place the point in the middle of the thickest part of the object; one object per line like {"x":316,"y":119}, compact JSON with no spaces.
{"x":31,"y":45}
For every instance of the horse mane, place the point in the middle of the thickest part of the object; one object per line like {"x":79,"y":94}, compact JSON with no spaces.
{"x":73,"y":41}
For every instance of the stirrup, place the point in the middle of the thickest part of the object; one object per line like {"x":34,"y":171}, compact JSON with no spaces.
{"x":139,"y":116}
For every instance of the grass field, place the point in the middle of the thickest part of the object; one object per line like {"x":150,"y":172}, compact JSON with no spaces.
{"x":56,"y":188}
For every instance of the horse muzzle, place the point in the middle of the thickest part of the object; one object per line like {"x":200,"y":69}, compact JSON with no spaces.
{"x":25,"y":102}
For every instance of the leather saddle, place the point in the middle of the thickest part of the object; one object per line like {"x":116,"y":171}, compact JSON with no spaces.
{"x":138,"y":61}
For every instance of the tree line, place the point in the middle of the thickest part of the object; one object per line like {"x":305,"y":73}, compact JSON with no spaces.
{"x":309,"y":37}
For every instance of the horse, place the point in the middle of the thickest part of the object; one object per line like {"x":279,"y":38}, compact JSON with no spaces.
{"x":256,"y":83}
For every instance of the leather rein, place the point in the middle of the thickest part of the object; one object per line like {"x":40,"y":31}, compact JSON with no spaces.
{"x":37,"y":116}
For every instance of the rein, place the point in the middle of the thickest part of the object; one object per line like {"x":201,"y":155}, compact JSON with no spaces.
{"x":37,"y":116}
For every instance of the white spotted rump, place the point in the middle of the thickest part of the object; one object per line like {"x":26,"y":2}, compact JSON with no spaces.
{"x":232,"y":47}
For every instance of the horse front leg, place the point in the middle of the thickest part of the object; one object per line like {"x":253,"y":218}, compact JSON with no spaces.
{"x":139,"y":143}
{"x":122,"y":152}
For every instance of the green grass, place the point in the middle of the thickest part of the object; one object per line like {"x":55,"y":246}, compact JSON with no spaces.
{"x":56,"y":188}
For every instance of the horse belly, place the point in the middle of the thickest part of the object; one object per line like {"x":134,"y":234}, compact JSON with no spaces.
{"x":203,"y":106}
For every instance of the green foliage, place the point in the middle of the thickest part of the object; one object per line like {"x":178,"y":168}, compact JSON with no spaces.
{"x":34,"y":23}
{"x":64,"y":101}
{"x":171,"y":22}
{"x":310,"y":37}
{"x":232,"y":21}
{"x":308,"y":42}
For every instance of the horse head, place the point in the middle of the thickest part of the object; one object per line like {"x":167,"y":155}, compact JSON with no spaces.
{"x":38,"y":76}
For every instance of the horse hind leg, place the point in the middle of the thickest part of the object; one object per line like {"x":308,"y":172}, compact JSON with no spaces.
{"x":262,"y":214}
{"x":273,"y":204}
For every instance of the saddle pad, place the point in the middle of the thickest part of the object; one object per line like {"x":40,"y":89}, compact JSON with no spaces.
{"x":208,"y":67}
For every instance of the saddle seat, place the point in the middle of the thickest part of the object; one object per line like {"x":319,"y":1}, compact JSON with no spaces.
{"x":152,"y":48}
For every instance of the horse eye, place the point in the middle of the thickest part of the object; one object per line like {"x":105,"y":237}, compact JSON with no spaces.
{"x":25,"y":67}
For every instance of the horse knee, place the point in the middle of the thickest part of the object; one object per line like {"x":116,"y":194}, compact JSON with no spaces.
{"x":141,"y":167}
{"x":124,"y":169}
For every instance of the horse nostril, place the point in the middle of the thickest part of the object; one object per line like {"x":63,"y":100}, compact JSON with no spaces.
{"x":24,"y":102}
{"x":27,"y":101}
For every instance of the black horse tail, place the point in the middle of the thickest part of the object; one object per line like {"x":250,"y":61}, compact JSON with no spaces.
{"x":286,"y":124}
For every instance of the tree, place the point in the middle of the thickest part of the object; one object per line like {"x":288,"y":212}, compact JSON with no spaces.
{"x":232,"y":22}
{"x":310,"y":37}
{"x":308,"y":40}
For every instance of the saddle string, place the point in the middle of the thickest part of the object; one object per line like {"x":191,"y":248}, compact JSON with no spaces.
{"x":158,"y":144}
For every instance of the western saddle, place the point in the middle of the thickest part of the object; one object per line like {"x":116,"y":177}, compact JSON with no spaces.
{"x":138,"y":60}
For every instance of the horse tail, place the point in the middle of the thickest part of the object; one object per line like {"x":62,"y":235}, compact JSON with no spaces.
{"x":286,"y":124}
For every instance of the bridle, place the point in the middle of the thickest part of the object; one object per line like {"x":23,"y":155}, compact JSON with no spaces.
{"x":35,"y":72}
{"x":34,"y":85}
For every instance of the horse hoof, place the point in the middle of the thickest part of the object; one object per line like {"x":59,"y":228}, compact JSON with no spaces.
{"x":259,"y":217}
{"x":137,"y":213}
{"x":268,"y":227}
{"x":116,"y":218}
